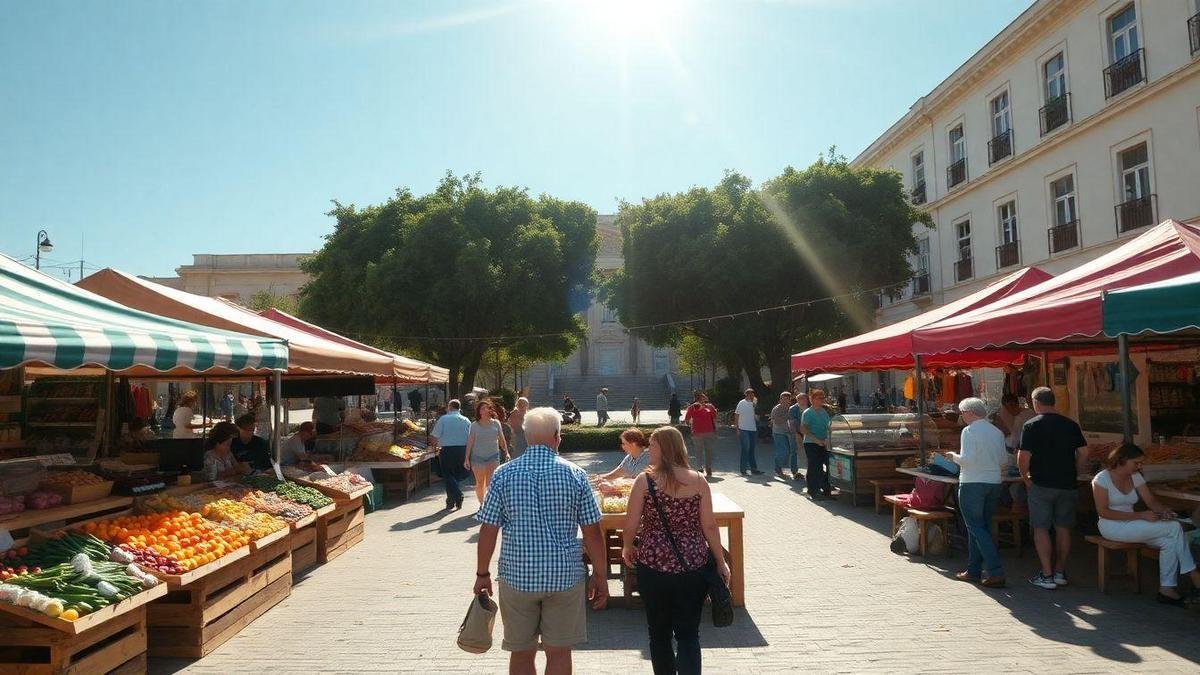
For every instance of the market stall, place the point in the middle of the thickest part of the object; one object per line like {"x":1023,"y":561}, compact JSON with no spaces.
{"x":865,"y":448}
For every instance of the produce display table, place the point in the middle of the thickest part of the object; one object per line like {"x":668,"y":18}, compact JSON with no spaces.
{"x":729,"y":517}
{"x":401,"y":478}
{"x":19,"y":524}
{"x":304,"y":541}
{"x":341,"y":529}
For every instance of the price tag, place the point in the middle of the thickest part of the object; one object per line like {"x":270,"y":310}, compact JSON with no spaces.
{"x":278,"y":471}
{"x":328,"y":470}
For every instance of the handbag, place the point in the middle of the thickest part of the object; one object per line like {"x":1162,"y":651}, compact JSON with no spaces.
{"x":718,"y":592}
{"x":475,"y":633}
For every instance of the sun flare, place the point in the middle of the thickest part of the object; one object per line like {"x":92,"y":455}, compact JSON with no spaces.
{"x":631,"y":19}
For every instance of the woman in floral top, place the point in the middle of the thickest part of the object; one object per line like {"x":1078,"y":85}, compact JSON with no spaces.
{"x":672,"y":590}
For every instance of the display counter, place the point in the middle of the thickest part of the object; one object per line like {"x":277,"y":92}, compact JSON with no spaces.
{"x":870,"y":447}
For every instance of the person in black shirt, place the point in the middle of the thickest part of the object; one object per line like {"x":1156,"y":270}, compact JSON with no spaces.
{"x":1051,"y":456}
{"x":249,"y":448}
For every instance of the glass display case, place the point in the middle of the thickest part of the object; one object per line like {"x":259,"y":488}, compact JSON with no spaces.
{"x":870,"y":447}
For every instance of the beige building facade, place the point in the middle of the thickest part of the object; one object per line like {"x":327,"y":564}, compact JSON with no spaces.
{"x":239,"y":276}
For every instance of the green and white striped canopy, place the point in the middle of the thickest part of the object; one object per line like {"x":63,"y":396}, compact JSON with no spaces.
{"x":46,"y":321}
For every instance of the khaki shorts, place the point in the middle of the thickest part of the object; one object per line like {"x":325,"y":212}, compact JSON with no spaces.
{"x":560,"y":617}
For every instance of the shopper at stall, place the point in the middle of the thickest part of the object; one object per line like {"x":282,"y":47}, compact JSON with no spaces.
{"x":327,"y":413}
{"x":540,"y":501}
{"x":794,"y":414}
{"x":636,"y":458}
{"x":981,"y":460}
{"x":516,"y":421}
{"x":250,"y":448}
{"x":781,"y":434}
{"x":701,"y":416}
{"x":183,"y":415}
{"x":814,"y":425}
{"x":1050,"y":458}
{"x":485,"y":447}
{"x":1116,"y":490}
{"x":227,"y":406}
{"x":746,"y":423}
{"x":295,"y":450}
{"x":219,"y":461}
{"x":671,"y":516}
{"x":449,"y":437}
{"x":602,"y":407}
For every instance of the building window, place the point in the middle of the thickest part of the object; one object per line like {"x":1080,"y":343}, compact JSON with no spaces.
{"x":957,"y":171}
{"x":1193,"y":26}
{"x":963,"y":267}
{"x":1125,"y":53}
{"x":1001,"y":144}
{"x":1137,"y":208}
{"x":1008,"y":253}
{"x":918,"y":178}
{"x":921,"y":278}
{"x":1064,"y":233}
{"x":1057,"y":110}
{"x":609,"y":315}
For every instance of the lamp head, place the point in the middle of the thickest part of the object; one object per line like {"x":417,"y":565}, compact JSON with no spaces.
{"x":44,"y":245}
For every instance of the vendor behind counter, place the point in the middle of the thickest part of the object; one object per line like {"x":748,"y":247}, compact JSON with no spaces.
{"x":249,"y":448}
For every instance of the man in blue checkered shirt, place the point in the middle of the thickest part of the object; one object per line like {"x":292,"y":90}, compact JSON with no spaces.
{"x":539,"y":501}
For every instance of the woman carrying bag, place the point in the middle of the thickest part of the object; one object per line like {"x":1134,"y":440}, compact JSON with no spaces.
{"x":678,"y":553}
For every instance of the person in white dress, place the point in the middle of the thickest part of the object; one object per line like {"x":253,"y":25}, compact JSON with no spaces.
{"x":183,"y":415}
{"x":1116,"y":490}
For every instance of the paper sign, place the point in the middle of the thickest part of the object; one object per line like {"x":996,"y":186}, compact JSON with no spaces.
{"x":328,"y":470}
{"x":278,"y":471}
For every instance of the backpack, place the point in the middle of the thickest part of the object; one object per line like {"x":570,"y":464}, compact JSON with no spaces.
{"x":907,"y":536}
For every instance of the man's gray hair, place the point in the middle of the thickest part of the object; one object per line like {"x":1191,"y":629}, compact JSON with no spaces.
{"x":975,"y":406}
{"x":542,"y":424}
{"x":454,"y":404}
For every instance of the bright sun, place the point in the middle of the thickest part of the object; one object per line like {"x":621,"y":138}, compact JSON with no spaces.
{"x":629,"y":19}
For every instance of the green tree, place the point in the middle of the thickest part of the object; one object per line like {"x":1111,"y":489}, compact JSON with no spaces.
{"x":830,"y":230}
{"x":446,"y":274}
{"x":268,"y":298}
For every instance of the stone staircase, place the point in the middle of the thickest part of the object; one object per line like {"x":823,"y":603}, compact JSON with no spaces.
{"x":650,"y":389}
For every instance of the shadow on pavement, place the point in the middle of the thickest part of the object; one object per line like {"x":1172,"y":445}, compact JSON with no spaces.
{"x":622,"y":628}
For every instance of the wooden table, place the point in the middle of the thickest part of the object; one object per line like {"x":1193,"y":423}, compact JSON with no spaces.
{"x":1176,"y":494}
{"x":400,"y":478}
{"x":19,"y":524}
{"x":949,"y":480}
{"x":729,"y":516}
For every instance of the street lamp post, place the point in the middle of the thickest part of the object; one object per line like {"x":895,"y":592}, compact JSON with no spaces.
{"x":43,"y":246}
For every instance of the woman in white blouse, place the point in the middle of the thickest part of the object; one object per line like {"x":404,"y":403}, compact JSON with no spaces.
{"x":981,"y":461}
{"x":1116,"y":490}
{"x":182,"y":417}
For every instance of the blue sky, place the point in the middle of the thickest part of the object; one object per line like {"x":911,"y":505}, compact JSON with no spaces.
{"x":139,"y":133}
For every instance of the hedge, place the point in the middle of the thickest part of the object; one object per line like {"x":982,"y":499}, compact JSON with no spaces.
{"x":590,"y":439}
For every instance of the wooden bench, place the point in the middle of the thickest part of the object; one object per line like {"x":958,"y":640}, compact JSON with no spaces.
{"x":888,"y":486}
{"x":923,"y":517}
{"x":1132,"y":563}
{"x":1005,"y":515}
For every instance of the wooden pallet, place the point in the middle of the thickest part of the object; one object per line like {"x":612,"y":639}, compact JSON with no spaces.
{"x":192,"y":621}
{"x":304,"y":550}
{"x":114,"y":646}
{"x":341,"y":530}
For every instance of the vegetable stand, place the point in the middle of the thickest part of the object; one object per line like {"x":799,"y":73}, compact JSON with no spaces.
{"x":341,"y":529}
{"x":401,"y":478}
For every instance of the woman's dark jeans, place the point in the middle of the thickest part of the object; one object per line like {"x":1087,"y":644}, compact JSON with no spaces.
{"x":673,"y":603}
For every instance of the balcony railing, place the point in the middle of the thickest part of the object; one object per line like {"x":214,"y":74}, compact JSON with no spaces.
{"x":1063,"y":237}
{"x":1007,"y":255}
{"x":963,"y":269}
{"x":956,"y":173}
{"x":918,"y":194}
{"x":920,"y":283}
{"x":1125,"y":73}
{"x":1055,"y":113}
{"x":1000,"y":146}
{"x":1193,"y":25}
{"x":1135,"y":213}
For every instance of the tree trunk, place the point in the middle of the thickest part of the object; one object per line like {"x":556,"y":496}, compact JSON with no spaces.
{"x":470,"y":370}
{"x":753,"y":367}
{"x":781,"y":373}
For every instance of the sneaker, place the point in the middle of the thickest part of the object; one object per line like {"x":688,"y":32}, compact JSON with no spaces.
{"x":1042,"y":581}
{"x":756,"y":472}
{"x":779,"y":472}
{"x":1060,"y":578}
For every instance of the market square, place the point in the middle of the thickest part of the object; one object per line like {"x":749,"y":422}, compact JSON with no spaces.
{"x":600,"y":336}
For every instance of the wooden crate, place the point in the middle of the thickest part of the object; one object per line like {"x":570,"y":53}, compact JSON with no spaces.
{"x":117,"y":645}
{"x":304,"y":550}
{"x":193,"y":620}
{"x":340,"y":530}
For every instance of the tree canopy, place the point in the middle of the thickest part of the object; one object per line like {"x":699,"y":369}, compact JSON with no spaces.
{"x":806,"y":236}
{"x":443,"y":275}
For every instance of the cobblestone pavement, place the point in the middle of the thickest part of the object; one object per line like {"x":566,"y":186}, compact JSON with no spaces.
{"x":823,"y":594}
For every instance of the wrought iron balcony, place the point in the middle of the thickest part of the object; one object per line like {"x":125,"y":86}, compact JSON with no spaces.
{"x":918,"y":194}
{"x":1000,"y":146}
{"x":1008,"y":255}
{"x":1063,"y":237}
{"x":920,"y":283}
{"x":1125,"y":73}
{"x":956,"y":173}
{"x":1135,"y":213}
{"x":963,"y":269}
{"x":1055,"y":113}
{"x":1193,"y":25}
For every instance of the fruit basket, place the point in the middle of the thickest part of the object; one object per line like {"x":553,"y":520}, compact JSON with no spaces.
{"x":77,"y":486}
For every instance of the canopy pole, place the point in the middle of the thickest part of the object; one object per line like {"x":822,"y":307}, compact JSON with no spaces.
{"x":919,"y":390}
{"x":396,"y":410}
{"x":1126,"y":394}
{"x":279,"y":428}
